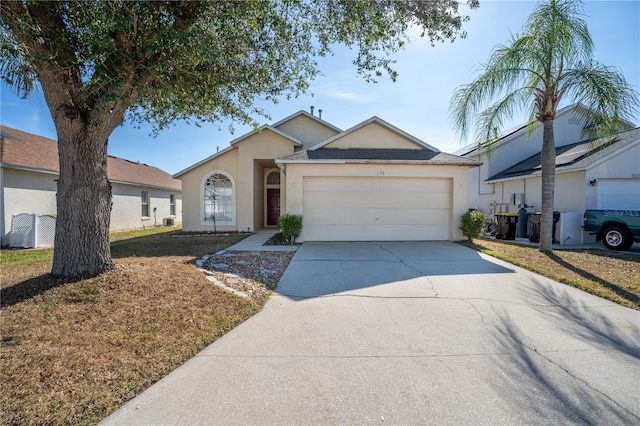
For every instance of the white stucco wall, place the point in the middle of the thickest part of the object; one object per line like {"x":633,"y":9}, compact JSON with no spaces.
{"x":126,"y":212}
{"x":35,"y":192}
{"x":26,"y":192}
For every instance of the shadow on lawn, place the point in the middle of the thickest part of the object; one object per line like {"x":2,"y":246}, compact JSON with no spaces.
{"x":30,"y":288}
{"x":158,"y":245}
{"x":584,"y":274}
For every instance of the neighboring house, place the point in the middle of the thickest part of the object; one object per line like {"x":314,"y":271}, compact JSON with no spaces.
{"x":371,"y":182}
{"x":142,"y":195}
{"x":590,"y":174}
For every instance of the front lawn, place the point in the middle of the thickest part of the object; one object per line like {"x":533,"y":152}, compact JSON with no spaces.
{"x":72,"y":353}
{"x":608,"y":274}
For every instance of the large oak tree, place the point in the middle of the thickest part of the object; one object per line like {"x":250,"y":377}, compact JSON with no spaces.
{"x":99,"y":63}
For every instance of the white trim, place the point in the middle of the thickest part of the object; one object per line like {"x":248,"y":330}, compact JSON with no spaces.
{"x":265,"y":127}
{"x":382,"y":123}
{"x":234,"y":190}
{"x":29,"y":169}
{"x":284,"y":161}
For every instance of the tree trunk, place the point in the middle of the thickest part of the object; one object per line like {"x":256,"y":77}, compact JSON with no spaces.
{"x":83,"y":201}
{"x":548,"y":163}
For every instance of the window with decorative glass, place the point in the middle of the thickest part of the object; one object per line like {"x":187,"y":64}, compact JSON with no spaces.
{"x":218,"y":199}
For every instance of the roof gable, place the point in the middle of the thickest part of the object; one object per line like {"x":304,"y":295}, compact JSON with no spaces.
{"x":32,"y":152}
{"x":375,"y":133}
{"x":296,"y":116}
{"x":267,"y":128}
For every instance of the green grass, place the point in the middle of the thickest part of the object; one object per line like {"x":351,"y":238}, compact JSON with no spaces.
{"x":17,"y":257}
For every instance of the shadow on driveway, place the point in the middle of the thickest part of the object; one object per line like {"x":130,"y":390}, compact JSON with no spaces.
{"x":324,"y":268}
{"x":577,"y":359}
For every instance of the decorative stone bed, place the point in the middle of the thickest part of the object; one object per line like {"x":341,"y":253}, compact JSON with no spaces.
{"x":246,"y":273}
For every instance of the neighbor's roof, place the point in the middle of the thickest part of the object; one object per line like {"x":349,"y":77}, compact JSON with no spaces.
{"x":506,"y":135}
{"x":26,"y":151}
{"x":575,"y":156}
{"x":369,"y":155}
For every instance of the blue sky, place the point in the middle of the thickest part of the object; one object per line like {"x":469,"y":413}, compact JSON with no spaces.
{"x":416,"y":103}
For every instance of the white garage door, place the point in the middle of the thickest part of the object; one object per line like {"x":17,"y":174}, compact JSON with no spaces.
{"x":618,"y":194}
{"x":376,"y":209}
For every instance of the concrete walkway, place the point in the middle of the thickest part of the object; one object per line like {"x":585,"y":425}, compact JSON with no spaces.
{"x":410,"y":333}
{"x":256,"y":242}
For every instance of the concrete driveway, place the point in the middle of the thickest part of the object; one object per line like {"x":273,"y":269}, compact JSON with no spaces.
{"x":410,"y":333}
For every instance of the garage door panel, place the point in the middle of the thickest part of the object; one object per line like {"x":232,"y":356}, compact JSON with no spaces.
{"x":388,"y":216}
{"x":376,"y":208}
{"x":324,"y":199}
{"x":376,"y":233}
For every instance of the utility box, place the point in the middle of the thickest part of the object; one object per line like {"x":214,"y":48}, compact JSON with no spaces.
{"x":517,"y":198}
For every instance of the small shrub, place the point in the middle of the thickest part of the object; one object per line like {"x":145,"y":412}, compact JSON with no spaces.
{"x":472,"y":223}
{"x":291,"y":226}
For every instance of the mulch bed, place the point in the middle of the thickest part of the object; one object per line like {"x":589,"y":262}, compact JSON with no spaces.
{"x":279,"y":240}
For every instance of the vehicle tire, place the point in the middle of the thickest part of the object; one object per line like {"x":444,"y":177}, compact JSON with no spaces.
{"x":616,"y":238}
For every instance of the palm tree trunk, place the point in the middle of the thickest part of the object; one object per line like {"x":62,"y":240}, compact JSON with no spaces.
{"x":83,"y":202}
{"x":548,"y":163}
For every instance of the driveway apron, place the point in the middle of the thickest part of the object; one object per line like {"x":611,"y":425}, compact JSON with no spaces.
{"x":410,"y":333}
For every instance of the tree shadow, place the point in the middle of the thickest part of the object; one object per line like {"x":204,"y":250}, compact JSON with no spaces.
{"x":577,"y":358}
{"x":586,"y":322}
{"x":157,"y":245}
{"x":160,"y":245}
{"x":584,"y":274}
{"x":533,"y":381}
{"x":30,"y":288}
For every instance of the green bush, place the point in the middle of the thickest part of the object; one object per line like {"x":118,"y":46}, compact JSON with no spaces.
{"x":472,"y":223}
{"x":291,"y":226}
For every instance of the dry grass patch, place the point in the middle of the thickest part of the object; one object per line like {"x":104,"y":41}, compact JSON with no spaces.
{"x":612,"y":275}
{"x":72,"y":353}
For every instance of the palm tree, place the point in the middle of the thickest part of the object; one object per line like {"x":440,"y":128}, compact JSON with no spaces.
{"x":548,"y":63}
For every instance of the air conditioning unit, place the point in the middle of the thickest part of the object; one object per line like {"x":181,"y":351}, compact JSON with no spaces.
{"x":168,"y":221}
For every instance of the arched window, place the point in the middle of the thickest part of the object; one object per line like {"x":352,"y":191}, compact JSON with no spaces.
{"x":273,"y":178}
{"x":218,"y":199}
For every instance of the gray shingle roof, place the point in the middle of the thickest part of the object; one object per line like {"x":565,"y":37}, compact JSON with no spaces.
{"x":372,"y":155}
{"x":576,"y":155}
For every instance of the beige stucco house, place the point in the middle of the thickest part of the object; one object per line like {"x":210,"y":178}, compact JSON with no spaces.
{"x":142,"y":195}
{"x":370,"y":182}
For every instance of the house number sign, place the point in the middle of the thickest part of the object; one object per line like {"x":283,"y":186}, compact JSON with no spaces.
{"x":380,"y":173}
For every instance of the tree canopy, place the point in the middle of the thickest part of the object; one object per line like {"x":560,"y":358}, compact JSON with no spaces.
{"x":202,"y":61}
{"x":100,"y":62}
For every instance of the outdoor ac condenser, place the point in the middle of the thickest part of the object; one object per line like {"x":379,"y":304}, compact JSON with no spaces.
{"x":168,"y":221}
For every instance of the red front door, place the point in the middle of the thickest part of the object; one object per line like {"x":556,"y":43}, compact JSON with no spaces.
{"x":273,"y":206}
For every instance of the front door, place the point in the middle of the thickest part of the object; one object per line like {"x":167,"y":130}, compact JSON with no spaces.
{"x":273,"y":206}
